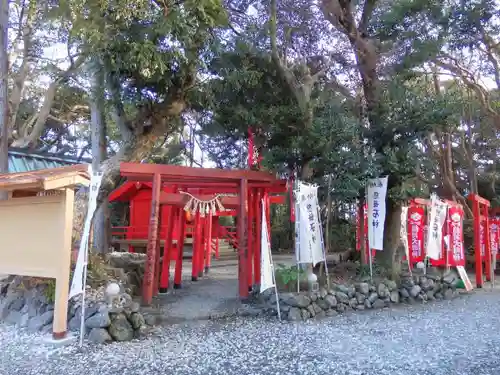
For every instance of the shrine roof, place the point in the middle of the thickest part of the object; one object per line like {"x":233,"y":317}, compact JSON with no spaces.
{"x":46,"y":179}
{"x":145,"y":172}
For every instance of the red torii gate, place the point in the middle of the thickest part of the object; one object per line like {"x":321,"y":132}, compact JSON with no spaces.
{"x":248,"y":188}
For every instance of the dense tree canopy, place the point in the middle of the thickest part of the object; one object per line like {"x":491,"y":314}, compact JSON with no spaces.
{"x":335,"y":91}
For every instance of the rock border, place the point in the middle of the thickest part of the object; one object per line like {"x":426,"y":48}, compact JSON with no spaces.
{"x":104,"y":322}
{"x":356,"y":297}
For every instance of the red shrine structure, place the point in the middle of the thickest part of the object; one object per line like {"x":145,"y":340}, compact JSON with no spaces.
{"x":167,"y":200}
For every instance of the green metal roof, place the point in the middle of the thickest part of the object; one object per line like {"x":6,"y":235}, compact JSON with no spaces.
{"x":25,"y":161}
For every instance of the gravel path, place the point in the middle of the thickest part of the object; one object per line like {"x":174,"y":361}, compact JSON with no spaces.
{"x":452,"y":337}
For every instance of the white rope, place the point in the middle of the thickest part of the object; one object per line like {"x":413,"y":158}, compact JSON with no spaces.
{"x":195,"y":204}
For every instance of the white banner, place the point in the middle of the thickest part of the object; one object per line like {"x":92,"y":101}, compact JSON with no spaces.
{"x":309,"y":247}
{"x":78,"y":282}
{"x":376,"y":193}
{"x":438,"y":212}
{"x":266,"y":264}
{"x":404,"y":231}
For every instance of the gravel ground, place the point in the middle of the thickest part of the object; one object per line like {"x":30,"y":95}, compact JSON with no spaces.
{"x":452,"y":337}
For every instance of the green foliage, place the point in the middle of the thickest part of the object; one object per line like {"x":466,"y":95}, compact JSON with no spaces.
{"x":287,"y":275}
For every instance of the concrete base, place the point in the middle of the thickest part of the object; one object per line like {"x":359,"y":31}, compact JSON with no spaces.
{"x":68,"y":340}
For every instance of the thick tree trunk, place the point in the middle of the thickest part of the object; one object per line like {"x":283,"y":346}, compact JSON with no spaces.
{"x":390,"y":257}
{"x":102,"y":225}
{"x":4,"y":100}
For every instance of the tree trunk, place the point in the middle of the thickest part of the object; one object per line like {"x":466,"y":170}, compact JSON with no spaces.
{"x":4,"y":100}
{"x":102,"y":225}
{"x":390,"y":257}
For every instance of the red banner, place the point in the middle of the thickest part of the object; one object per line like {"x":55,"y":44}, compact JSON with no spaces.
{"x":482,"y":240}
{"x":495,"y":236}
{"x":456,"y":253}
{"x":416,"y":222}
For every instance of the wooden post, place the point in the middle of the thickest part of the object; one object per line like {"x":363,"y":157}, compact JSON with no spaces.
{"x":147,"y":288}
{"x":487,"y":246}
{"x":250,"y":239}
{"x":477,"y":243}
{"x":258,"y":230}
{"x":156,"y":282}
{"x":167,"y":248}
{"x":196,"y":247}
{"x":217,"y":236}
{"x":201,"y":252}
{"x":208,"y":255}
{"x":242,"y":243}
{"x":180,"y":250}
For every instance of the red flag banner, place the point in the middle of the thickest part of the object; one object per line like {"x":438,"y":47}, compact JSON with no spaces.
{"x":456,"y":253}
{"x":416,"y":222}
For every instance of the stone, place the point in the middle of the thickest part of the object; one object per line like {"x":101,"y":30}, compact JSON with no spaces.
{"x":321,"y":314}
{"x":272,"y":300}
{"x":17,"y":304}
{"x":298,"y":300}
{"x":37,"y":322}
{"x":394,"y":296}
{"x":363,"y":288}
{"x":368,"y":304}
{"x":284,"y":308}
{"x":415,"y":290}
{"x":323,"y":293}
{"x":120,"y":328}
{"x":137,"y":320}
{"x":152,"y":319}
{"x":373,"y":289}
{"x":378,"y":304}
{"x":14,"y":317}
{"x":323,"y":304}
{"x":332,"y":313}
{"x":99,"y":336}
{"x":343,"y":289}
{"x":340,"y":307}
{"x":332,"y":301}
{"x":430,"y":295}
{"x":313,"y":296}
{"x":99,"y":320}
{"x":438,"y":296}
{"x":342,"y":297}
{"x":360,"y":298}
{"x":448,"y":294}
{"x":382,"y":290}
{"x":353,"y":302}
{"x":351,"y":292}
{"x":305,"y":314}
{"x":74,"y":324}
{"x":372,"y":297}
{"x":360,"y":307}
{"x":404,"y":293}
{"x":23,"y":322}
{"x":310,"y":308}
{"x":391,"y":285}
{"x":294,"y":314}
{"x":449,"y":277}
{"x":407,"y":283}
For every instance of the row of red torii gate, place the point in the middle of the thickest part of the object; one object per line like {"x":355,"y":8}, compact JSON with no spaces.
{"x":486,"y":224}
{"x":169,"y":203}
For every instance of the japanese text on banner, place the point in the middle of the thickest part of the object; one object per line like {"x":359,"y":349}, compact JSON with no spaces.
{"x":376,"y":193}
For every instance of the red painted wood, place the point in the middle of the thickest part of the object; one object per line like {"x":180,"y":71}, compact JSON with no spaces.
{"x":487,"y":248}
{"x":173,"y":213}
{"x":156,"y":282}
{"x":250,"y":239}
{"x":197,"y":238}
{"x":180,"y":248}
{"x":242,"y":248}
{"x":208,"y":242}
{"x":258,"y":230}
{"x":172,"y":171}
{"x":147,"y":291}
